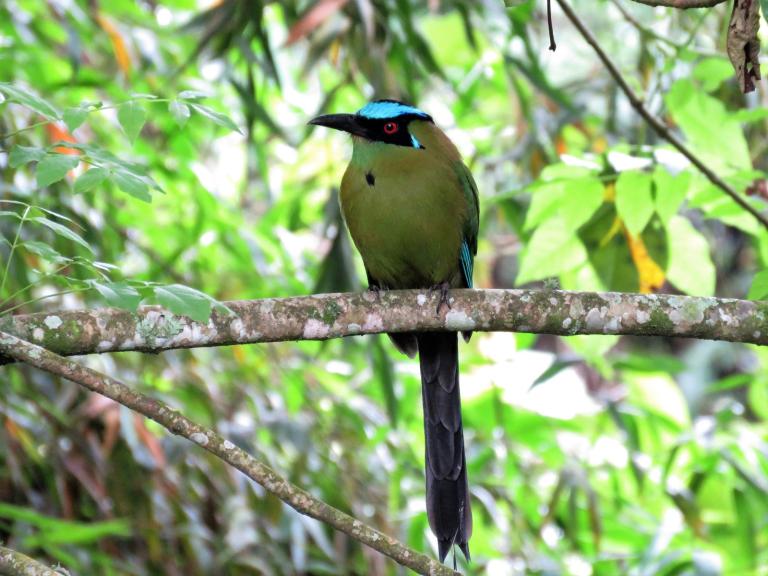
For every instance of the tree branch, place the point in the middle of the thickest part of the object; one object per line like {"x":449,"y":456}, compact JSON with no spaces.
{"x":681,"y":4}
{"x":325,"y":316}
{"x":13,"y":563}
{"x":180,"y":425}
{"x":661,"y":129}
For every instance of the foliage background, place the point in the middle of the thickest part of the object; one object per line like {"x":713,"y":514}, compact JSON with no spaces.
{"x":587,"y":455}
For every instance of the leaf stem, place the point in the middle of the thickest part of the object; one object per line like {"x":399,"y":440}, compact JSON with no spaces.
{"x":13,"y":248}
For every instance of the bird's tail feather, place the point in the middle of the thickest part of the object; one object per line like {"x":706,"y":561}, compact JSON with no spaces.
{"x":448,"y":507}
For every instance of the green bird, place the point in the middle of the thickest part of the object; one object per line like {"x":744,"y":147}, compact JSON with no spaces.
{"x":411,"y":207}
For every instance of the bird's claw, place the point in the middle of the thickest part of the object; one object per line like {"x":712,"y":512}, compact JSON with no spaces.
{"x":444,"y":288}
{"x":377,"y":290}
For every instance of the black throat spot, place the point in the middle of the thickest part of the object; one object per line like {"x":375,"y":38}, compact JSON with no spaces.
{"x":370,"y":178}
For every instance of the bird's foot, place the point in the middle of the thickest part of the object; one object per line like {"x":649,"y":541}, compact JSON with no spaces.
{"x":377,"y":290}
{"x":444,"y":288}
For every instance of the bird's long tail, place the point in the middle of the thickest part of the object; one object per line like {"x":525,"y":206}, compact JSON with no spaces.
{"x":448,"y":508}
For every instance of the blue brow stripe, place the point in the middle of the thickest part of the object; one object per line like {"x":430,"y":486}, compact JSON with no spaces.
{"x":382,"y":110}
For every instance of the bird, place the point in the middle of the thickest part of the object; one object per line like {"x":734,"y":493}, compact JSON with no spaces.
{"x":412,"y":210}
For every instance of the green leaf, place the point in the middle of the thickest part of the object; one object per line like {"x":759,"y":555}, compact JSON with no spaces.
{"x":216,"y":117}
{"x":552,"y":249}
{"x":185,"y":301}
{"x":670,"y":192}
{"x":634,"y":201}
{"x":26,"y":97}
{"x":759,"y":288}
{"x":118,"y":294}
{"x":54,"y":167}
{"x":132,"y":117}
{"x":711,"y":131}
{"x":44,"y":251}
{"x":24,"y":154}
{"x":132,"y":184}
{"x":90,"y":179}
{"x":690,"y":267}
{"x":180,"y":112}
{"x":192,"y":95}
{"x":62,"y":231}
{"x":711,"y":72}
{"x":575,"y":200}
{"x":74,"y":117}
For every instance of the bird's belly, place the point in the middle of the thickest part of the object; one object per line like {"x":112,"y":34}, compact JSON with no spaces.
{"x":406,"y":241}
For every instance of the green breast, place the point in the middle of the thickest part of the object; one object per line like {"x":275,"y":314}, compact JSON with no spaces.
{"x":405,"y":211}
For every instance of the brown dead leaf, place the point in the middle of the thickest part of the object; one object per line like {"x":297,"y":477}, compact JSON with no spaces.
{"x":314,"y":17}
{"x":743,"y":44}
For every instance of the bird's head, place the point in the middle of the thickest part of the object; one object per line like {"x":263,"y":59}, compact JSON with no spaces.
{"x":383,"y":121}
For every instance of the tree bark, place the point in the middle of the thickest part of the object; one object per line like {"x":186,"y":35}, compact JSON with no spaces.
{"x":325,"y":316}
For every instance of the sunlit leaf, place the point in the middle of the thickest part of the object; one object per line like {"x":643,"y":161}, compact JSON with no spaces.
{"x":180,"y":112}
{"x":26,"y":97}
{"x":74,"y":117}
{"x":54,"y":167}
{"x":118,"y":294}
{"x":759,"y":288}
{"x":132,"y":117}
{"x":61,"y":230}
{"x":21,"y":155}
{"x":552,"y":249}
{"x":634,"y":201}
{"x":90,"y":179}
{"x":132,"y":184}
{"x":216,"y":117}
{"x":690,"y":267}
{"x":185,"y":301}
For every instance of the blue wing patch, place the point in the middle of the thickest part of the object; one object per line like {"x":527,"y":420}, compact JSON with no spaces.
{"x":382,"y":109}
{"x":467,"y":262}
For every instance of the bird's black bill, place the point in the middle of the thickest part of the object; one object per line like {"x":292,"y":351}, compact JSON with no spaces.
{"x":345,"y":122}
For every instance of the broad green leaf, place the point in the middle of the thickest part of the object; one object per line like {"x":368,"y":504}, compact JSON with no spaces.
{"x":74,"y":117}
{"x":132,"y":184}
{"x":90,"y":179}
{"x":26,"y":97}
{"x":132,"y":117}
{"x":759,"y":288}
{"x":54,"y":167}
{"x":711,"y":72}
{"x":552,"y":249}
{"x":216,"y":117}
{"x":711,"y":131}
{"x":44,"y":251}
{"x":670,"y":192}
{"x":574,"y":200}
{"x":634,"y":201}
{"x":21,"y":155}
{"x":690,"y":267}
{"x":180,"y":112}
{"x":118,"y":294}
{"x":62,"y":231}
{"x":185,"y":301}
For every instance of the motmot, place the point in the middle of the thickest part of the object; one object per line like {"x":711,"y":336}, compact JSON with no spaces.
{"x":411,"y":206}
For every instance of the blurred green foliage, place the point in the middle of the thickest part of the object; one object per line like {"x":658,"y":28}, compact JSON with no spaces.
{"x":587,"y":455}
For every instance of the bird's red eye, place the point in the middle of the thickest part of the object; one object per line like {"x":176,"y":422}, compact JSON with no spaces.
{"x":390,"y":128}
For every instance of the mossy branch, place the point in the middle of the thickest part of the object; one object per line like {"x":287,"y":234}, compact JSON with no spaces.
{"x":321,"y":317}
{"x":13,"y":563}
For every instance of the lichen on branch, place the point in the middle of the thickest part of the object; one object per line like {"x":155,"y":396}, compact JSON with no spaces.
{"x":325,"y":316}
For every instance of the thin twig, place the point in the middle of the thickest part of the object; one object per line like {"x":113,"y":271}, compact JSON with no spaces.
{"x":654,"y":122}
{"x":214,"y":443}
{"x":681,"y":4}
{"x":320,"y":317}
